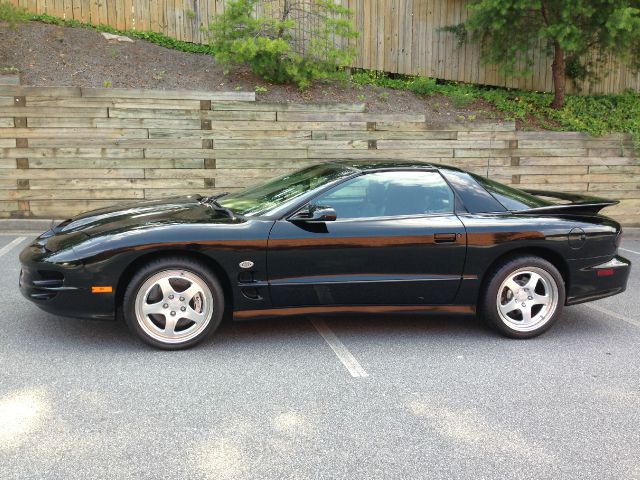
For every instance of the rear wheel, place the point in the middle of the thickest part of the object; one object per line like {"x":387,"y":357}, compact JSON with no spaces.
{"x":523,"y":297}
{"x":173,"y":303}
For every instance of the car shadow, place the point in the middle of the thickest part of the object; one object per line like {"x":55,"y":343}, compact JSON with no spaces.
{"x":48,"y":329}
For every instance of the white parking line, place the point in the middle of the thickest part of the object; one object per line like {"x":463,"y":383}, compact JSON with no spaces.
{"x":343,"y":354}
{"x":615,"y":315}
{"x":11,"y":244}
{"x":627,"y":250}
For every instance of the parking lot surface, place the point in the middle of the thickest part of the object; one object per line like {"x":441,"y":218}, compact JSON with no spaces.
{"x":330,"y":398}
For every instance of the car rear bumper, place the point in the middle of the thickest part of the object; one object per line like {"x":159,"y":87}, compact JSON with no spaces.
{"x":597,"y":279}
{"x":62,"y":288}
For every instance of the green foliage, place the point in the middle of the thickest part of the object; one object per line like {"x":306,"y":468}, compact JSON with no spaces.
{"x":595,"y":114}
{"x":509,"y":31}
{"x":12,"y":15}
{"x":268,"y":43}
{"x":417,"y":85}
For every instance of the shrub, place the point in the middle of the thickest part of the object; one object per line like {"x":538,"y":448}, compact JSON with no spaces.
{"x":12,"y":15}
{"x":294,"y":41}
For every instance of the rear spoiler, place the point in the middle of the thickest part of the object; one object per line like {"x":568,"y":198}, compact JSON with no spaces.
{"x":578,"y":204}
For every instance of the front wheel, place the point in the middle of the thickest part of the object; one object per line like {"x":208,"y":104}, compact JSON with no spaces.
{"x":173,"y":303}
{"x":523,"y":297}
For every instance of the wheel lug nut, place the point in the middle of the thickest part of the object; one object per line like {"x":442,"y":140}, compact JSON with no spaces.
{"x":166,"y":305}
{"x":173,"y":313}
{"x":182,"y":299}
{"x":183,"y":309}
{"x":530,"y":298}
{"x":170,"y":297}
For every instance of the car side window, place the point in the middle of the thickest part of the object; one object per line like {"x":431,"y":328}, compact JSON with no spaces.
{"x":395,"y":193}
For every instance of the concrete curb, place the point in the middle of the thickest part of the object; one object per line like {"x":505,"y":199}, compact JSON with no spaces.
{"x":40,"y":225}
{"x":27,"y":224}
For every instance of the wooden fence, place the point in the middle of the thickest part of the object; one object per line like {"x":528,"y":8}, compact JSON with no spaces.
{"x":400,"y":36}
{"x":68,"y":149}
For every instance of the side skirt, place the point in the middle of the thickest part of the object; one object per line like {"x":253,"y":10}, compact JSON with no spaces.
{"x":358,"y":309}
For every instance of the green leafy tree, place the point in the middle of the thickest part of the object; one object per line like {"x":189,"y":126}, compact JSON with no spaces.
{"x":510,"y":30}
{"x":290,"y":41}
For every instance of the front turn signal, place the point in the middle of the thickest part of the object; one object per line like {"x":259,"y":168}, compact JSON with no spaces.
{"x":101,"y":289}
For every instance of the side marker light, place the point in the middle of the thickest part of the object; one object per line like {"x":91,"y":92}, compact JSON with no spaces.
{"x":101,"y":289}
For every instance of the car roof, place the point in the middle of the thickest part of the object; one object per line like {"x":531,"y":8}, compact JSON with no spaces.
{"x":372,"y":165}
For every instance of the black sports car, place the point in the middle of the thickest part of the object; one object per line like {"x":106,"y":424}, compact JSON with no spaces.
{"x":364,"y":237}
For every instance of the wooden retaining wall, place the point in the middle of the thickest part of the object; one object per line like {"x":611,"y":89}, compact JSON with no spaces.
{"x":66,"y":150}
{"x":399,"y":36}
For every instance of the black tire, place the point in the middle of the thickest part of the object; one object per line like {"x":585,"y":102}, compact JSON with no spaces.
{"x":209,"y":303}
{"x":522,"y":270}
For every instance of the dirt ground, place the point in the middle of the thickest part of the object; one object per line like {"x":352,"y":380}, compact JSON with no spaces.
{"x":50,"y":55}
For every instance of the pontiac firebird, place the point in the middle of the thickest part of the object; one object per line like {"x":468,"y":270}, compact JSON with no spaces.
{"x":342,"y":237}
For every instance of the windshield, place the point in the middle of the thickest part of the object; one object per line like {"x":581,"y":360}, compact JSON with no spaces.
{"x":261,"y":199}
{"x":511,"y":198}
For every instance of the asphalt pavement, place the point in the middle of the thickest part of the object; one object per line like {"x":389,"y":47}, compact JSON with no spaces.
{"x":353,"y":398}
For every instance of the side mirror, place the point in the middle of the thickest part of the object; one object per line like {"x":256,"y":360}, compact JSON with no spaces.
{"x":315,"y":213}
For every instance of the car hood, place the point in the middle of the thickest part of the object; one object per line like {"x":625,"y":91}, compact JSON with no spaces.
{"x":130,"y":217}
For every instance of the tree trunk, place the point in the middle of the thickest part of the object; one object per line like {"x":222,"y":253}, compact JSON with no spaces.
{"x":557,"y":69}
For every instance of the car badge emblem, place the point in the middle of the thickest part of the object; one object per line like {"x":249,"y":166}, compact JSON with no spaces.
{"x":246,"y":264}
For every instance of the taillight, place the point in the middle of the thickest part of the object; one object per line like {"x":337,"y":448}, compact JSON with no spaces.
{"x":605,"y":272}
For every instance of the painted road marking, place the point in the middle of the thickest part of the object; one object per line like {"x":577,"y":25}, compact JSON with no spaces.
{"x":12,"y":244}
{"x":342,"y":352}
{"x":631,"y":251}
{"x":615,"y":315}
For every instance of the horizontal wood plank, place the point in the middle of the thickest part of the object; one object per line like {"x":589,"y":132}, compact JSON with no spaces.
{"x":290,"y":107}
{"x":168,"y":94}
{"x":110,"y":102}
{"x":74,"y":173}
{"x":115,"y":163}
{"x":349,"y":117}
{"x":84,"y":122}
{"x":86,"y":194}
{"x":115,"y":183}
{"x":71,"y":152}
{"x":72,"y":133}
{"x":23,"y":91}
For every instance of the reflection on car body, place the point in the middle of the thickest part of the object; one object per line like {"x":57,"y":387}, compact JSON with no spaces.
{"x":341,"y":237}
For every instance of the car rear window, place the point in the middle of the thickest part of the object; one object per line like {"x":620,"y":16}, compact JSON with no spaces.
{"x":475,"y":198}
{"x":511,"y":198}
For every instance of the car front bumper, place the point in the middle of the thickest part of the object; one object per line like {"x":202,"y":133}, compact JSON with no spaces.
{"x":63,"y":288}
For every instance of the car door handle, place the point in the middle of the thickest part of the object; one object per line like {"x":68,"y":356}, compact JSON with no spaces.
{"x":444,"y":237}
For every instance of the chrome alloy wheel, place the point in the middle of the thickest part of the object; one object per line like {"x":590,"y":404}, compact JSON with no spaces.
{"x":174,"y":306}
{"x":527,"y":299}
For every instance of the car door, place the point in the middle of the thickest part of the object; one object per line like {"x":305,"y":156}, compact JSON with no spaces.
{"x":396,"y":241}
